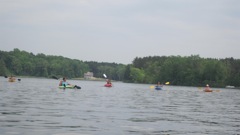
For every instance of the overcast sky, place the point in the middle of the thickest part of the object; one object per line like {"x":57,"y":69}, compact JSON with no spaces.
{"x":120,"y":30}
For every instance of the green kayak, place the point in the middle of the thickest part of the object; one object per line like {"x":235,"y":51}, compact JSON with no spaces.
{"x":66,"y":87}
{"x":69,"y":87}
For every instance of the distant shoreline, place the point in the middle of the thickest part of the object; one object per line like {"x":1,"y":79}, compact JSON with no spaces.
{"x":97,"y":79}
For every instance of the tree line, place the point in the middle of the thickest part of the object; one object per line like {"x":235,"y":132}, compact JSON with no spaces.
{"x":186,"y":71}
{"x":18,"y":62}
{"x":23,"y":63}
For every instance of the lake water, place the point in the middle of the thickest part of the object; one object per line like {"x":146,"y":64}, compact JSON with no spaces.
{"x":37,"y":107}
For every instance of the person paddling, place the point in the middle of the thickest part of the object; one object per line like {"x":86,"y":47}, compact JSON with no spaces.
{"x":159,"y":84}
{"x":11,"y":79}
{"x":109,"y":81}
{"x":64,"y":83}
{"x":207,"y":89}
{"x":108,"y":84}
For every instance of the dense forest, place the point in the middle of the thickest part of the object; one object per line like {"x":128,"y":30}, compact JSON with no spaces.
{"x":22,"y":63}
{"x":186,"y":71}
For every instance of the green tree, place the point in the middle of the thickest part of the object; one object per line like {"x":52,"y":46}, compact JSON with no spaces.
{"x":3,"y":68}
{"x":127,"y":75}
{"x":137,"y":75}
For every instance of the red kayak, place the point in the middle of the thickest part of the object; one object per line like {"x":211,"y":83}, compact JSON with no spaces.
{"x":108,"y":85}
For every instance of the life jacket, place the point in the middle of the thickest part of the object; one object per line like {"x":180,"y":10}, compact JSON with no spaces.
{"x":64,"y":83}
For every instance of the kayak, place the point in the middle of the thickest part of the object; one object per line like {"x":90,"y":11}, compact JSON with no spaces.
{"x":11,"y":80}
{"x":108,"y":85}
{"x":158,"y":87}
{"x":66,"y":87}
{"x":69,"y":87}
{"x":206,"y":90}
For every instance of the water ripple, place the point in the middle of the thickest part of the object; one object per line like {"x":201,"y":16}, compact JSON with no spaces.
{"x":37,"y":106}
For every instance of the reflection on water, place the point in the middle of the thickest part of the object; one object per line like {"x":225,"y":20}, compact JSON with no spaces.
{"x":37,"y":106}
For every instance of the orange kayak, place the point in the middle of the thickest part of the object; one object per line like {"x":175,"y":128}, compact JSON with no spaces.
{"x":207,"y":90}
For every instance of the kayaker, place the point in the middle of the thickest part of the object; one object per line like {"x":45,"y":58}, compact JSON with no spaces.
{"x":108,"y":84}
{"x":11,"y":79}
{"x":63,"y":82}
{"x":109,"y":81}
{"x":207,"y":87}
{"x":159,"y":84}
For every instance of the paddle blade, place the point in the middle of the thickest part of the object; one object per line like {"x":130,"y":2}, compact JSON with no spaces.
{"x":167,"y":83}
{"x":152,"y":87}
{"x":78,"y":87}
{"x":54,"y":77}
{"x":105,"y":76}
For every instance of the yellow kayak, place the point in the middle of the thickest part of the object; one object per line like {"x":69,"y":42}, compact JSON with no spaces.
{"x":11,"y":80}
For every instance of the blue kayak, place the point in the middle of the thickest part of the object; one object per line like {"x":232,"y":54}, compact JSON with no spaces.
{"x":158,"y":87}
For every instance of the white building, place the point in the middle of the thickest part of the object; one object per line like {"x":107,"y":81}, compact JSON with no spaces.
{"x":88,"y":75}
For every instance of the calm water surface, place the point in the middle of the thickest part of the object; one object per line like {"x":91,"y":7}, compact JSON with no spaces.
{"x":37,"y":106}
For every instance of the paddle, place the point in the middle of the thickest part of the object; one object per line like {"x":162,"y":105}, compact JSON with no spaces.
{"x":78,"y":87}
{"x":14,"y":77}
{"x":105,"y":76}
{"x":54,"y":77}
{"x":153,"y":86}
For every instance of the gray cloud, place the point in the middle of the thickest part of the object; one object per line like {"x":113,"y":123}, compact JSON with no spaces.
{"x":120,"y":30}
